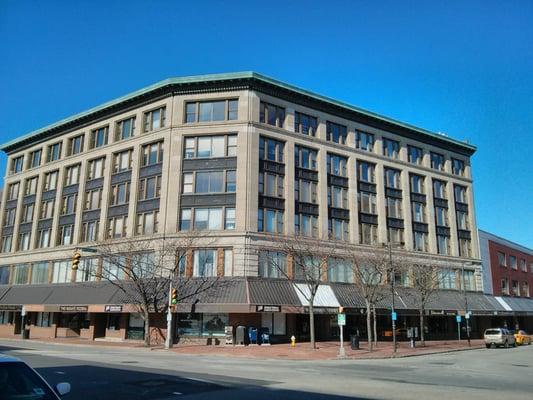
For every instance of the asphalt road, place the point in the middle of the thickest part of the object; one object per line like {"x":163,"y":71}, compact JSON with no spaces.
{"x":103,"y":373}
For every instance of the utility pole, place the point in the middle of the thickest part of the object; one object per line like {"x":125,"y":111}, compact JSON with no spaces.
{"x":393,"y":312}
{"x":467,"y":315}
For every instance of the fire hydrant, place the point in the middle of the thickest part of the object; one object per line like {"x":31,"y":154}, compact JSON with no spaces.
{"x":293,"y":341}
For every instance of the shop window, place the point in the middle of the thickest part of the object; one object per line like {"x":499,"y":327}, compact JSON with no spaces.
{"x":276,"y":323}
{"x":44,"y":319}
{"x":113,"y":322}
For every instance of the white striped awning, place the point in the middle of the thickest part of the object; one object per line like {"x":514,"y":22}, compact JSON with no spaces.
{"x":324,"y":295}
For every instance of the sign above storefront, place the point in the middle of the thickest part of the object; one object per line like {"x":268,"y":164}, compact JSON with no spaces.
{"x":10,"y":307}
{"x":113,"y":308}
{"x":263,"y":308}
{"x":74,"y":308}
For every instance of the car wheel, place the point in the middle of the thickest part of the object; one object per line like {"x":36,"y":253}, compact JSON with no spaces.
{"x":488,"y":346}
{"x":506,"y":344}
{"x":514,"y":344}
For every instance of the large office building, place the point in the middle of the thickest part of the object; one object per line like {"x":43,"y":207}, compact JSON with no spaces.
{"x":244,"y":157}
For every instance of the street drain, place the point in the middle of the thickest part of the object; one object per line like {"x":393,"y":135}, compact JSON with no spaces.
{"x":129,"y":362}
{"x":520,"y":365}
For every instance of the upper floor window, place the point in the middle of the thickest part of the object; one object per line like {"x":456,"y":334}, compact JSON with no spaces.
{"x":155,"y":119}
{"x":7,"y":241}
{"x":17,"y":164}
{"x":270,"y":184}
{"x":125,"y":129}
{"x":417,"y":183}
{"x":338,"y":229}
{"x":269,"y":220}
{"x":462,"y":220}
{"x":337,"y":165}
{"x":72,"y":175}
{"x":272,"y":264}
{"x":93,"y":199}
{"x":27,"y":212}
{"x":368,"y":233}
{"x":147,"y":223}
{"x":394,"y":208}
{"x":35,"y":158}
{"x":210,"y":111}
{"x":271,"y":114}
{"x":270,"y":149}
{"x":419,"y":212}
{"x":150,"y":188}
{"x":305,"y":191}
{"x":205,"y":263}
{"x":120,"y":193}
{"x":305,"y":157}
{"x":439,"y":189}
{"x":460,"y":193}
{"x":152,"y":154}
{"x":13,"y":191}
{"x":523,"y":266}
{"x":116,"y":227}
{"x":211,"y":146}
{"x":31,"y":186}
{"x":443,"y":244}
{"x":447,"y":279}
{"x":9,"y":216}
{"x":99,"y":137}
{"x":306,"y":225}
{"x":47,"y":209}
{"x":50,"y":180}
{"x":95,"y":168}
{"x":122,"y":161}
{"x":392,"y":178}
{"x":75,"y":145}
{"x":512,"y":262}
{"x":54,"y":152}
{"x":441,"y":216}
{"x":458,"y":167}
{"x":65,"y":234}
{"x":367,"y":203}
{"x":305,"y":124}
{"x":437,"y":161}
{"x":337,"y":197}
{"x":464,"y":247}
{"x":24,"y":241}
{"x":415,"y":155}
{"x":364,"y":141}
{"x":505,"y":286}
{"x":501,"y":259}
{"x":391,"y":148}
{"x":336,"y":133}
{"x":69,"y":204}
{"x":366,"y":172}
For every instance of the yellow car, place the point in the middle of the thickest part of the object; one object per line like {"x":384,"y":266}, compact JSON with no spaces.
{"x":522,"y":337}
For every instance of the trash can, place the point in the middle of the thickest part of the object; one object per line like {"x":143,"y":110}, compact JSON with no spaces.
{"x":252,"y":335}
{"x":228,"y":331}
{"x":354,"y":342}
{"x":240,"y":335}
{"x":265,"y":336}
{"x":25,"y":334}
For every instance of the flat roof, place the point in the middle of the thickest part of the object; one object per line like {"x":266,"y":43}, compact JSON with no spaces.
{"x":246,"y":75}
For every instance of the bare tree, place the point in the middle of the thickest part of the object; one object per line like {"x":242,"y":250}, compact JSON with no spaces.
{"x":308,"y":261}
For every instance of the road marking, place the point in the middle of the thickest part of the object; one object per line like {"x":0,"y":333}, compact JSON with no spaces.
{"x":178,"y":393}
{"x":60,"y":372}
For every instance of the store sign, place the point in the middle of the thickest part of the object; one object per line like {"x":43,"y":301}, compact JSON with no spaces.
{"x":74,"y":308}
{"x":10,"y":307}
{"x":268,"y":308}
{"x":110,"y":308}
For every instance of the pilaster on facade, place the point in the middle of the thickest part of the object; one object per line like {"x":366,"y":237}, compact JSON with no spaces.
{"x":289,"y":188}
{"x":58,"y":206}
{"x":172,"y":183}
{"x":80,"y":200}
{"x":452,"y":220}
{"x":432,"y":231}
{"x":322,"y":194}
{"x":353,"y":202}
{"x":381,"y":203}
{"x":406,"y":210}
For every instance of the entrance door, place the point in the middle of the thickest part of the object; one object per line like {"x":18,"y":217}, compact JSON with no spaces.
{"x":135,"y":329}
{"x":18,"y":323}
{"x":100,"y":323}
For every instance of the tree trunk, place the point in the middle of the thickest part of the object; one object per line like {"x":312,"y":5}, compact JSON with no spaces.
{"x":312,"y":323}
{"x":422,"y":335}
{"x":375,"y":326}
{"x":369,"y":326}
{"x":147,"y":327}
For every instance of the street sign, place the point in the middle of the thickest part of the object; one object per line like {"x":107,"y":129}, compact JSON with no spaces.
{"x":88,"y":249}
{"x":23,"y":311}
{"x":467,"y":315}
{"x":458,"y":318}
{"x":341,"y":319}
{"x":394,"y":316}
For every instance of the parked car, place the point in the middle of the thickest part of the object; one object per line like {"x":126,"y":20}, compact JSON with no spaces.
{"x":522,"y":337}
{"x":499,"y":337}
{"x":19,"y":381}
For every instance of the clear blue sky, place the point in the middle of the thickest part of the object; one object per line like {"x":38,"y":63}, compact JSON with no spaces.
{"x":458,"y":67}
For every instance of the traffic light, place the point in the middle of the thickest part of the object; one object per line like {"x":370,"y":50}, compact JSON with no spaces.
{"x":174,"y":296}
{"x":76,"y":260}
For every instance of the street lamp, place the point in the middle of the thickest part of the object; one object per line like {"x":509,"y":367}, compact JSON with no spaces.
{"x":392,"y":279}
{"x":467,"y":316}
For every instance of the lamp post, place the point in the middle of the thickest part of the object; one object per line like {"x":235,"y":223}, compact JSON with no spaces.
{"x":467,"y":315}
{"x":392,"y":281}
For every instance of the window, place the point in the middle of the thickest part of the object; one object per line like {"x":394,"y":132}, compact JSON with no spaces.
{"x":439,"y":189}
{"x":61,"y":272}
{"x":464,"y":247}
{"x":208,"y":218}
{"x":89,"y":231}
{"x":458,"y":167}
{"x":366,"y":172}
{"x":43,"y":240}
{"x":75,"y":145}
{"x":306,"y":225}
{"x":209,"y":182}
{"x":394,"y":208}
{"x":447,"y":279}
{"x":30,"y":187}
{"x":210,"y":111}
{"x":443,"y":244}
{"x":116,"y":227}
{"x":4,"y":275}
{"x":392,"y":178}
{"x":505,"y":286}
{"x":152,"y":154}
{"x":415,"y":155}
{"x":272,"y":264}
{"x":17,"y":164}
{"x":270,"y":149}
{"x":441,"y":216}
{"x":391,"y":148}
{"x":337,"y":197}
{"x":525,"y":289}
{"x":270,"y":220}
{"x":460,"y":194}
{"x":368,"y":233}
{"x":72,"y":175}
{"x":512,"y":262}
{"x":337,"y":165}
{"x":120,"y":193}
{"x":95,"y":168}
{"x":39,"y":272}
{"x":467,"y":280}
{"x":211,"y":146}
{"x":44,"y":319}
{"x":305,"y":158}
{"x":99,"y":137}
{"x":228,"y":262}
{"x":24,"y":241}
{"x":437,"y":161}
{"x":502,"y":259}
{"x":419,"y":212}
{"x":65,"y":234}
{"x":122,"y":161}
{"x":364,"y":141}
{"x":147,"y":223}
{"x":231,"y":181}
{"x":338,"y":229}
{"x":150,"y":188}
{"x":305,"y":191}
{"x":395,"y":235}
{"x":367,"y":202}
{"x":93,"y":199}
{"x":47,"y":208}
{"x":271,"y":114}
{"x":271,"y":184}
{"x":21,"y":274}
{"x":13,"y":191}
{"x":54,"y":152}
{"x":305,"y":124}
{"x":229,"y":220}
{"x":155,"y":119}
{"x":420,"y":241}
{"x":205,"y":263}
{"x":87,"y":270}
{"x":50,"y":180}
{"x":35,"y":158}
{"x":336,"y":133}
{"x":462,"y":220}
{"x":125,"y":129}
{"x":416,"y":183}
{"x":68,"y":204}
{"x":339,"y":271}
{"x":27,"y":212}
{"x":9,"y":216}
{"x":7,"y":240}
{"x":523,"y":266}
{"x":516,"y":288}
